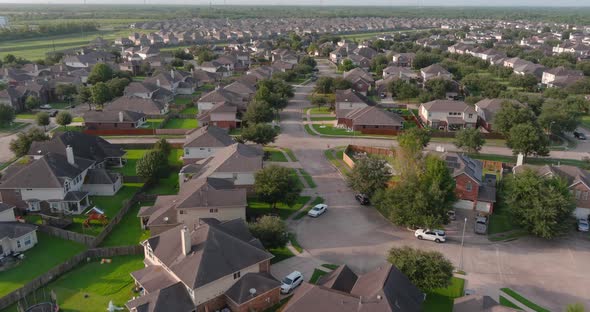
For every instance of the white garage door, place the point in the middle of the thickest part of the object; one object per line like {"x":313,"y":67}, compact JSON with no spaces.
{"x":464,"y":204}
{"x":483,"y":206}
{"x":581,"y":213}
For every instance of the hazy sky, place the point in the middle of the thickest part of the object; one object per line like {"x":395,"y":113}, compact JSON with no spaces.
{"x":333,"y":2}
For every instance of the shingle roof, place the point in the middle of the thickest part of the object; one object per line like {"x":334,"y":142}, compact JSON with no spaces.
{"x":112,"y":116}
{"x":171,"y":298}
{"x":237,"y":157}
{"x":15,"y":229}
{"x":84,"y":145}
{"x":459,"y":164}
{"x":261,"y":282}
{"x":373,"y":116}
{"x":435,"y":69}
{"x":448,"y":106}
{"x":341,"y":279}
{"x":100,"y":176}
{"x":208,"y":136}
{"x":136,"y":104}
{"x":4,"y":207}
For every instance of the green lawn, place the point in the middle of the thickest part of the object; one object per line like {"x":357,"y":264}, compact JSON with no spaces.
{"x":257,"y":208}
{"x":315,"y":277}
{"x":585,"y":121}
{"x":523,"y":300}
{"x":323,"y":118}
{"x":331,"y":130}
{"x":183,"y":100}
{"x":153,"y":123}
{"x":303,"y":213}
{"x":30,"y":116}
{"x":109,"y":204}
{"x":12,"y":127}
{"x":507,"y":303}
{"x":441,"y":299}
{"x":295,"y":243}
{"x":320,"y":110}
{"x":280,"y":254}
{"x":190,"y":110}
{"x":299,"y":182}
{"x":165,"y":186}
{"x":128,"y":232}
{"x":77,"y":119}
{"x":48,"y":253}
{"x":307,"y":177}
{"x":174,"y":159}
{"x":275,"y":155}
{"x":134,"y":154}
{"x":330,"y":266}
{"x":307,"y":128}
{"x":290,"y":154}
{"x":177,"y":123}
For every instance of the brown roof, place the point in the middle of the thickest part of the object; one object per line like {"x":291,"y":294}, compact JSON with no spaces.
{"x":136,"y":104}
{"x":478,"y":303}
{"x":448,"y":106}
{"x":373,"y":116}
{"x":208,"y":136}
{"x":237,"y":157}
{"x":261,"y":282}
{"x":341,"y":279}
{"x":348,"y":96}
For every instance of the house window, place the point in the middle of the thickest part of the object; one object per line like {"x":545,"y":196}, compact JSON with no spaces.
{"x":237,"y":275}
{"x":585,"y":195}
{"x":213,"y":210}
{"x":28,"y":241}
{"x":468,"y":186}
{"x":186,"y":151}
{"x":18,"y":245}
{"x":470,"y":115}
{"x":578,"y":194}
{"x":181,"y":211}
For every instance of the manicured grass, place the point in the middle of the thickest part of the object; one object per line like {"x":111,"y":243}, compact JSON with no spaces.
{"x":299,"y":182}
{"x":128,"y":232}
{"x":307,"y":128}
{"x":523,"y":300}
{"x":280,"y":254}
{"x":48,"y":253}
{"x":68,"y":128}
{"x":77,"y":119}
{"x":26,"y":116}
{"x":235,"y":131}
{"x":177,"y":123}
{"x":135,"y":154}
{"x":257,"y":208}
{"x":331,"y":130}
{"x":12,"y":127}
{"x":330,"y":266}
{"x":303,"y":213}
{"x":532,"y":160}
{"x":295,"y":243}
{"x":307,"y":178}
{"x":275,"y":155}
{"x":441,"y":299}
{"x":190,"y":110}
{"x":109,"y":204}
{"x":322,"y":118}
{"x":320,"y":110}
{"x":290,"y":154}
{"x":183,"y":100}
{"x":174,"y":158}
{"x":165,"y":186}
{"x":507,"y":303}
{"x":315,"y":277}
{"x":153,"y":123}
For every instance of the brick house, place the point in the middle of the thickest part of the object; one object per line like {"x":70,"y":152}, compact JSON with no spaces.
{"x":373,"y":120}
{"x":448,"y":115}
{"x":347,"y":101}
{"x":114,"y":120}
{"x":204,"y":142}
{"x":486,"y":111}
{"x":209,"y":268}
{"x":361,"y":80}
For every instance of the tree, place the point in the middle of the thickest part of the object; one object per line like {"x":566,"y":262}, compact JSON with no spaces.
{"x":511,"y":114}
{"x":309,"y":61}
{"x":20,"y":146}
{"x":324,"y":85}
{"x":543,"y":206}
{"x":271,"y":231}
{"x":84,"y":95}
{"x":66,"y":91}
{"x":32,"y":102}
{"x":262,"y":134}
{"x":163,"y":146}
{"x":469,"y":139}
{"x":369,"y":175}
{"x":116,"y":86}
{"x":275,"y":184}
{"x":438,"y":87}
{"x":100,"y":93}
{"x":424,"y":59}
{"x":340,"y":83}
{"x":427,"y":270}
{"x":9,"y":59}
{"x":319,"y":101}
{"x":258,"y":112}
{"x":100,"y":73}
{"x":42,"y":120}
{"x":526,"y":82}
{"x":558,"y":116}
{"x":346,"y":65}
{"x":63,"y":118}
{"x":152,"y":165}
{"x":7,"y":114}
{"x":528,"y":139}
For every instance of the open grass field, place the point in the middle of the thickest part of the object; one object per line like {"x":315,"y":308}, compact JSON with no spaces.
{"x":128,"y":231}
{"x":190,"y":110}
{"x":258,"y":208}
{"x":48,"y":253}
{"x":441,"y":299}
{"x":12,"y":127}
{"x":177,"y":123}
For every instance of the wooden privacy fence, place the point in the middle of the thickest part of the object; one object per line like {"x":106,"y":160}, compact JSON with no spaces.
{"x":64,"y":267}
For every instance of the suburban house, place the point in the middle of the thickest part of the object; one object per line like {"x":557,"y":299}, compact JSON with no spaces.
{"x":373,"y":120}
{"x":447,"y":115}
{"x":577,"y":179}
{"x":402,"y":73}
{"x":113,"y":120}
{"x":486,"y":111}
{"x":15,"y":237}
{"x":13,"y":98}
{"x":435,"y":71}
{"x":385,"y":289}
{"x":361,"y":80}
{"x":221,"y":96}
{"x":211,"y":267}
{"x":530,"y":68}
{"x":236,"y":163}
{"x":474,"y":191}
{"x":204,"y":142}
{"x":149,"y":107}
{"x":346,"y":101}
{"x":60,"y":178}
{"x":197,"y":199}
{"x":404,"y":59}
{"x":221,"y":115}
{"x":479,"y":303}
{"x":553,"y":74}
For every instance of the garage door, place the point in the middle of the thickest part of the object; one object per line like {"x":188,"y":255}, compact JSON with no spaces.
{"x":464,"y":204}
{"x":581,"y":213}
{"x":483,"y":206}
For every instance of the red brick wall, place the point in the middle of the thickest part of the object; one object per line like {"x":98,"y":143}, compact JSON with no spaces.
{"x":259,"y":303}
{"x":461,"y":188}
{"x":111,"y":125}
{"x":581,"y":202}
{"x":212,"y":305}
{"x":264,"y":266}
{"x":224,"y":124}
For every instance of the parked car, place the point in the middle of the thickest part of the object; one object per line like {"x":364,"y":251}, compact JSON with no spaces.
{"x":438,"y":236}
{"x":452,"y":215}
{"x":45,"y":106}
{"x":579,"y":135}
{"x":53,"y":113}
{"x":317,"y":210}
{"x":291,"y":282}
{"x":362,"y":199}
{"x":481,"y":225}
{"x":583,"y":225}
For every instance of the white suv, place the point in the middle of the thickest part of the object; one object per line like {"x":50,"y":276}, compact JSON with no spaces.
{"x":438,"y":236}
{"x":291,"y":281}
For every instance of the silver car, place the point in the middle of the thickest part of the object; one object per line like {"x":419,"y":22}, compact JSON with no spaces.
{"x":583,"y":225}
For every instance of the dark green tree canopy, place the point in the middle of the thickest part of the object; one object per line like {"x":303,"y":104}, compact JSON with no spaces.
{"x":427,"y":270}
{"x":275,"y":184}
{"x":271,"y":231}
{"x":369,"y":175}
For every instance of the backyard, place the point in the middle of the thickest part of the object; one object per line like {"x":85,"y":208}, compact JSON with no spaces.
{"x":128,"y":231}
{"x":441,"y":299}
{"x":177,"y":123}
{"x":135,"y":154}
{"x":48,"y":253}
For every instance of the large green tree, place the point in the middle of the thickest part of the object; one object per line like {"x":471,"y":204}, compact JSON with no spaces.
{"x":100,"y":73}
{"x":262,"y":134}
{"x":543,"y":206}
{"x":7,"y":114}
{"x":271,"y":231}
{"x":152,"y":165}
{"x":528,"y":139}
{"x":258,"y":112}
{"x":558,"y":116}
{"x":274,"y":184}
{"x":42,"y":120}
{"x":32,"y":102}
{"x":63,"y":118}
{"x":469,"y":139}
{"x":427,"y":270}
{"x":20,"y":146}
{"x":100,"y":93}
{"x":511,"y":114}
{"x":369,"y":175}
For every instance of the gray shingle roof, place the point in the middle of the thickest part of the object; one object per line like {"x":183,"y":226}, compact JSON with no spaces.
{"x":172,"y":298}
{"x":84,"y":146}
{"x":262,"y":282}
{"x":373,"y":116}
{"x":208,"y":136}
{"x":113,"y":116}
{"x":15,"y":229}
{"x":341,"y":279}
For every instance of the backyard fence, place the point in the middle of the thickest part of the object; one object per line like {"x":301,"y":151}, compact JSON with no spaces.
{"x":64,"y":267}
{"x":67,"y":235}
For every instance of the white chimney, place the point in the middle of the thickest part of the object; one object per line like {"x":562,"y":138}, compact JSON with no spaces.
{"x":519,"y":159}
{"x":185,"y":237}
{"x":172,"y":73}
{"x":70,"y":155}
{"x":158,"y":82}
{"x":121,"y":117}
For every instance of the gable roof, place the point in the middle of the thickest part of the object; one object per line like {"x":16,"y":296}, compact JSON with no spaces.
{"x":341,"y":279}
{"x":208,"y":136}
{"x":373,"y":116}
{"x":448,"y":106}
{"x":136,"y":104}
{"x":112,"y":116}
{"x":261,"y":282}
{"x":237,"y":157}
{"x":14,"y":230}
{"x":462,"y":164}
{"x":573,"y":175}
{"x":172,"y":298}
{"x":358,"y":73}
{"x":435,"y":69}
{"x":349,"y":96}
{"x":84,"y":146}
{"x":491,"y":106}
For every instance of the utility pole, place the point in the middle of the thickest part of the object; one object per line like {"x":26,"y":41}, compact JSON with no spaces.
{"x":462,"y":240}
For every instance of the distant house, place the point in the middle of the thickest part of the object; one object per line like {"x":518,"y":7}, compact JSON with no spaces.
{"x":148,"y":107}
{"x":15,"y":237}
{"x":361,"y":80}
{"x":13,"y":98}
{"x":385,"y":289}
{"x":578,"y":183}
{"x":373,"y":120}
{"x":220,"y":115}
{"x":204,"y":142}
{"x":347,"y":101}
{"x":404,"y":59}
{"x":530,"y":69}
{"x":435,"y":71}
{"x":402,"y":73}
{"x":448,"y":115}
{"x":113,"y":120}
{"x":205,"y":268}
{"x":473,"y":190}
{"x":560,"y":73}
{"x":486,"y":111}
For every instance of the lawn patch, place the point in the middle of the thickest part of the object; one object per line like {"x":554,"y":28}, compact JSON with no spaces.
{"x":442,"y":299}
{"x":330,"y":266}
{"x":290,"y":154}
{"x":280,"y":254}
{"x":48,"y":253}
{"x":299,"y":182}
{"x":183,"y":100}
{"x":258,"y":208}
{"x":235,"y":131}
{"x":177,"y":123}
{"x":507,"y":303}
{"x":12,"y":127}
{"x":307,"y":177}
{"x":128,"y":232}
{"x":331,"y":130}
{"x":30,"y":116}
{"x":322,"y":110}
{"x":523,"y":300}
{"x":303,"y":213}
{"x":315,"y":277}
{"x":275,"y":154}
{"x":133,"y":155}
{"x":307,"y":128}
{"x":323,"y":118}
{"x":190,"y":110}
{"x":153,"y":123}
{"x":165,"y":186}
{"x":295,"y":243}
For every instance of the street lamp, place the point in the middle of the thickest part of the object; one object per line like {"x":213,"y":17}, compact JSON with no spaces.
{"x":462,"y":240}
